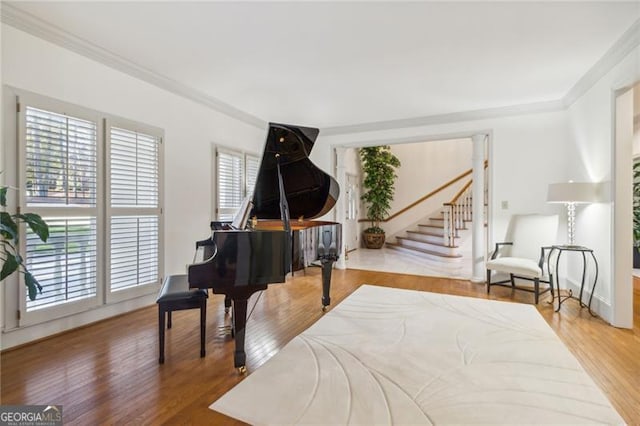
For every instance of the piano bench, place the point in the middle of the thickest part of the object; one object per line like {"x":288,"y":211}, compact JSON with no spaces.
{"x":176,"y":295}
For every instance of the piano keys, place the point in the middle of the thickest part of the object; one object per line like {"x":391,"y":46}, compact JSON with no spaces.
{"x":240,"y":262}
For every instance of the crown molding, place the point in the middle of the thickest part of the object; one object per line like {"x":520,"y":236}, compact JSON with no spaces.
{"x":620,"y":49}
{"x":483,"y":114}
{"x":24,"y":21}
{"x":28,"y":23}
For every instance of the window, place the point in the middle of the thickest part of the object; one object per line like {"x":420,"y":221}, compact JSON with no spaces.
{"x":134,"y":208}
{"x":97,"y":215}
{"x":60,"y":181}
{"x":236,"y":175}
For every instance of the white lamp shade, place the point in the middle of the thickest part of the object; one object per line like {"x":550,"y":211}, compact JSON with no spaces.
{"x":573,"y":192}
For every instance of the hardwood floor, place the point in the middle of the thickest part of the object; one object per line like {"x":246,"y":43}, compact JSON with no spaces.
{"x":109,"y":373}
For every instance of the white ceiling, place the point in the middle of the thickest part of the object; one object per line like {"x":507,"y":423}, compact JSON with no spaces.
{"x":332,"y":64}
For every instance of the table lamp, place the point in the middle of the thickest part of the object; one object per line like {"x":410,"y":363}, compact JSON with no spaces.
{"x":572,"y":193}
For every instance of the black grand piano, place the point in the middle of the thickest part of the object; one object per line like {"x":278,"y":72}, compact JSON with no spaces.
{"x":240,"y":262}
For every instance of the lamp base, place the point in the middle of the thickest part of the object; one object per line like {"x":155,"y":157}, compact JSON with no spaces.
{"x":571,"y":223}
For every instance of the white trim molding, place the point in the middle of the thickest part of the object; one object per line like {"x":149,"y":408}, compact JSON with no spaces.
{"x":30,"y":24}
{"x":454,"y":117}
{"x":621,"y":48}
{"x":24,"y":21}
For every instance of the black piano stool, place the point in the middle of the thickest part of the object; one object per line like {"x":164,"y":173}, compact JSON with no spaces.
{"x":175,"y":295}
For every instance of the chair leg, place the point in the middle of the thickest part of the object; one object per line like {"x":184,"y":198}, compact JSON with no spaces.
{"x":161,"y":333}
{"x":488,"y":281}
{"x":513,"y":281}
{"x":536,"y":288}
{"x":203,"y":325}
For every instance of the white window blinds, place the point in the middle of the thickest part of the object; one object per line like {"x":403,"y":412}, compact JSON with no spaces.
{"x":97,"y":181}
{"x":231,"y":183}
{"x":60,"y":181}
{"x":134,"y":169}
{"x":61,"y":158}
{"x":134,"y":232}
{"x":134,"y":251}
{"x":252,"y":163}
{"x":236,"y":175}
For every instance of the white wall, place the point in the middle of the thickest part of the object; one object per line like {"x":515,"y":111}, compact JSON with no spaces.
{"x":591,"y":122}
{"x":426,"y":166}
{"x":636,"y":121}
{"x":32,"y":64}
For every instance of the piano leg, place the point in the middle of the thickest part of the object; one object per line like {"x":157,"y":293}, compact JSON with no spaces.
{"x":327,"y":265}
{"x":239,"y":323}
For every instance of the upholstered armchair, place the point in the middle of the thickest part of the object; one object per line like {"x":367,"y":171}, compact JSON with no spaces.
{"x":525,"y":254}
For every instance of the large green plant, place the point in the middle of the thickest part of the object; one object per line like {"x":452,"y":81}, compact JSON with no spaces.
{"x":379,"y":167}
{"x":9,"y":233}
{"x":636,"y":204}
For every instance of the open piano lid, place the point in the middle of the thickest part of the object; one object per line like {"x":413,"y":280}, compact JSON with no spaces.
{"x":310,"y":192}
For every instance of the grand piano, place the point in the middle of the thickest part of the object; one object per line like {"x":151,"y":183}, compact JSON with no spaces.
{"x":240,"y":262}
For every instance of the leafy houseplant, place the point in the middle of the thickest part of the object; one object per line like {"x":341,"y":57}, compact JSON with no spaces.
{"x":379,"y":167}
{"x":636,"y":214}
{"x":9,"y":233}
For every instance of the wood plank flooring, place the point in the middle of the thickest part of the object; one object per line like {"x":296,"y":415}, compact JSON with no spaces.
{"x":108,"y":372}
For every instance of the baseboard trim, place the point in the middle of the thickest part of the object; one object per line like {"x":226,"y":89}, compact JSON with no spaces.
{"x":599,"y":305}
{"x":28,"y":334}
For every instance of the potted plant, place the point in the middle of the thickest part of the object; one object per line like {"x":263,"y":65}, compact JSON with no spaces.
{"x":9,"y":236}
{"x":636,"y":214}
{"x":378,"y":165}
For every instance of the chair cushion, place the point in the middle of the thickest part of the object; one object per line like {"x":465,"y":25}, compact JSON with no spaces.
{"x":176,"y":287}
{"x":516,"y":266}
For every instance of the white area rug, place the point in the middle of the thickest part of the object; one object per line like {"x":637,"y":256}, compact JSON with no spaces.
{"x":389,"y":356}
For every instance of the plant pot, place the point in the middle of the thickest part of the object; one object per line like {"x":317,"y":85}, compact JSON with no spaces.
{"x":636,"y":258}
{"x":373,"y":241}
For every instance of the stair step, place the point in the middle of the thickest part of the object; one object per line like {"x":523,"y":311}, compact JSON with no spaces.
{"x":429,"y":237}
{"x":425,"y":233}
{"x":438,"y":247}
{"x":425,"y":253}
{"x":440,"y":223}
{"x":440,"y":244}
{"x":433,"y":229}
{"x":431,"y":225}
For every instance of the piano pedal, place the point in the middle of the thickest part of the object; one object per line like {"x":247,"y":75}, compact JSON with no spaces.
{"x":225,"y":330}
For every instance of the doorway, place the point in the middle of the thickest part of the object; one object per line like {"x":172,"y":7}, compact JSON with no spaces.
{"x":351,"y":214}
{"x":622,"y":265}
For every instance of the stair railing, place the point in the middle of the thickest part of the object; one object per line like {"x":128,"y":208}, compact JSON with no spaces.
{"x":456,"y":212}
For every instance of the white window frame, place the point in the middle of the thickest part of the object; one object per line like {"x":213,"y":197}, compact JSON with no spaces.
{"x":150,"y":287}
{"x":44,"y":314}
{"x":245,"y":190}
{"x":101,"y":210}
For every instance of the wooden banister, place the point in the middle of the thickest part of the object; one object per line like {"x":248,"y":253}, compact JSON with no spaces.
{"x":431,"y":194}
{"x":459,"y":194}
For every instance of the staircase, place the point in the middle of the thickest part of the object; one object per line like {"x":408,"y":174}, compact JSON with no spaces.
{"x":438,"y":238}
